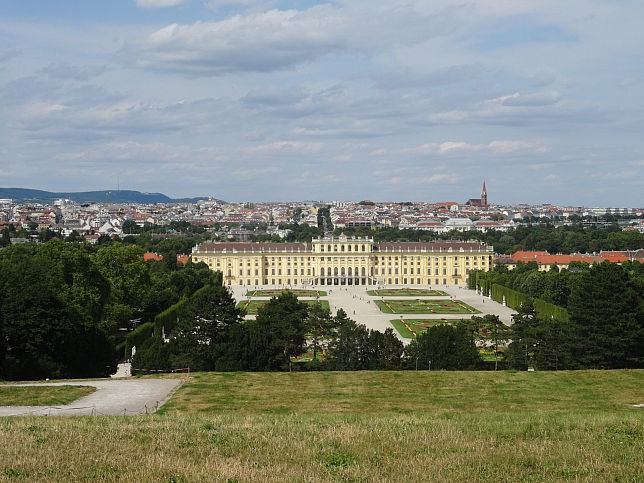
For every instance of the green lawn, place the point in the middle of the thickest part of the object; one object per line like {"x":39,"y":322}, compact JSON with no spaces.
{"x":352,"y":426}
{"x":251,"y":306}
{"x":275,"y":293}
{"x":404,"y":292}
{"x":410,"y":328}
{"x":418,"y":306}
{"x":42,"y":395}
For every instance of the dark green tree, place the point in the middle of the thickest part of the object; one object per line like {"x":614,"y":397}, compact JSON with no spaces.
{"x":53,"y":300}
{"x":444,"y":347}
{"x":606,"y":309}
{"x":524,"y":336}
{"x":278,"y":333}
{"x":495,"y":331}
{"x":348,"y":346}
{"x":353,"y":347}
{"x":203,"y":321}
{"x":319,"y":327}
{"x":129,"y":278}
{"x":153,"y":354}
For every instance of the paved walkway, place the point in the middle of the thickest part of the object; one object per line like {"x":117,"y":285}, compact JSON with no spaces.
{"x":362,"y":308}
{"x":111,"y":398}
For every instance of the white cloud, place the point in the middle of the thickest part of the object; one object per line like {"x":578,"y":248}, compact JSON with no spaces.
{"x":272,"y":40}
{"x":440,"y":178}
{"x":497,"y":147}
{"x":454,"y":146}
{"x":158,"y":3}
{"x":286,"y":147}
{"x":533,"y":99}
{"x":256,"y":172}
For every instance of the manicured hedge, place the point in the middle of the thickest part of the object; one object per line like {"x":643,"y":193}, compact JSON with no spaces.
{"x":167,"y":319}
{"x":137,"y":337}
{"x":485,"y":281}
{"x":546,"y":309}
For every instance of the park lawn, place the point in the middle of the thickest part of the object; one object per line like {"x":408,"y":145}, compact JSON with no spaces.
{"x":404,"y":292}
{"x":42,"y":395}
{"x":252,"y":306}
{"x":410,"y":328}
{"x":296,"y":292}
{"x":351,"y":426}
{"x":417,"y":306}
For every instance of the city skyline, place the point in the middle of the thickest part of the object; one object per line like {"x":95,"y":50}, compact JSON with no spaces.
{"x":262,"y":100}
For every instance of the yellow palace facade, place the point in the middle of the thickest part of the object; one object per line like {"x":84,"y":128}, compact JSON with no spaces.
{"x":345,"y":261}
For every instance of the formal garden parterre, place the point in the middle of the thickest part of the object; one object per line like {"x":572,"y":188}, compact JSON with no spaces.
{"x":252,"y":306}
{"x":418,"y":306}
{"x":407,"y":292}
{"x":410,"y":328}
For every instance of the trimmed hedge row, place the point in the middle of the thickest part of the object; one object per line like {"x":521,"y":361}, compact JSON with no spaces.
{"x":137,"y":337}
{"x":167,"y":320}
{"x":546,"y":309}
{"x":514,"y":299}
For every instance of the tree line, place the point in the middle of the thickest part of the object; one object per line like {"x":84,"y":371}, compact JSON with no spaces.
{"x":212,"y":335}
{"x":65,"y":307}
{"x":605,"y":330}
{"x":605,"y":305}
{"x":564,"y":239}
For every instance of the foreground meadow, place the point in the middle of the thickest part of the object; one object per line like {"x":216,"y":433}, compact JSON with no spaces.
{"x":352,"y":426}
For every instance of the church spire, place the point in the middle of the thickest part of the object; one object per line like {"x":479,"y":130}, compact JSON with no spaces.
{"x":484,"y":195}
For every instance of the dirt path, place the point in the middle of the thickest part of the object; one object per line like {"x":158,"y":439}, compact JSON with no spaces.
{"x":111,"y":398}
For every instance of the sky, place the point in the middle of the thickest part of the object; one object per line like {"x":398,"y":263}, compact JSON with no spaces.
{"x":267,"y":100}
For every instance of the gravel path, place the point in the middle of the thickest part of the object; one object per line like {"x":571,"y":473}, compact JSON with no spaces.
{"x":111,"y":398}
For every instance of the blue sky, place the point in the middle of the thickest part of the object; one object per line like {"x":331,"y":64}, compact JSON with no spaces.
{"x":349,"y":99}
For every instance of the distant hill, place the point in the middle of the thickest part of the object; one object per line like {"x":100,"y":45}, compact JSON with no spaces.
{"x":107,"y":196}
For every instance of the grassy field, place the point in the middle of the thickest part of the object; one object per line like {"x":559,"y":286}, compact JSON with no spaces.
{"x":275,"y":293}
{"x":251,"y":306}
{"x":404,"y":292}
{"x":410,"y":328}
{"x":425,"y":307}
{"x":368,"y":426}
{"x":41,"y":395}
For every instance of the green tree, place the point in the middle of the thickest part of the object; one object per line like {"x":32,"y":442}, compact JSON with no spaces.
{"x":130,"y":227}
{"x":606,"y":307}
{"x":203,"y":320}
{"x":551,"y":349}
{"x":444,"y":347}
{"x":153,"y":354}
{"x":53,"y":298}
{"x":385,"y":350}
{"x":524,"y":336}
{"x":278,"y":332}
{"x":496,"y":332}
{"x":353,"y":347}
{"x":348,"y":347}
{"x":319,"y":326}
{"x":129,"y":278}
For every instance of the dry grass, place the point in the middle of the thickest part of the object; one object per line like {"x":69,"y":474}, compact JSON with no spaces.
{"x":352,"y":427}
{"x":41,"y":395}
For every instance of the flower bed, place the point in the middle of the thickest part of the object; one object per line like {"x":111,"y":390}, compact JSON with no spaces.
{"x":425,"y":307}
{"x":410,"y":328}
{"x":252,"y":306}
{"x":406,"y":292}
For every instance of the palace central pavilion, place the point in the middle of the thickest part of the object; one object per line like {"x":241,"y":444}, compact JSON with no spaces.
{"x":345,"y":261}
